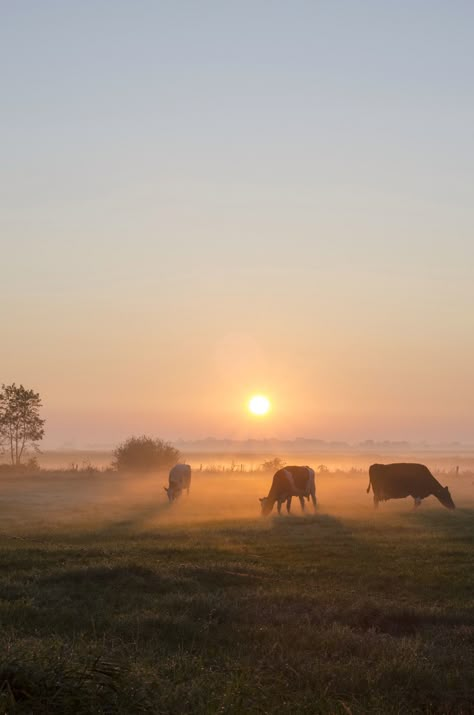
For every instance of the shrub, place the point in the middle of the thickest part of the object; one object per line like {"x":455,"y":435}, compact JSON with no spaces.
{"x":32,"y":466}
{"x":144,"y":454}
{"x":272,"y":465}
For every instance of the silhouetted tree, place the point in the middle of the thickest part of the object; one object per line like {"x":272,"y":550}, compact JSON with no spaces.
{"x":144,"y":454}
{"x":21,"y":426}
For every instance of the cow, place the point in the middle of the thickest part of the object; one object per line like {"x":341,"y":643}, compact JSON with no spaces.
{"x":287,"y":483}
{"x":397,"y":481}
{"x":179,"y":480}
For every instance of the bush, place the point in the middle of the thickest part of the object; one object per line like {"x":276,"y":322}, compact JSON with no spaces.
{"x":144,"y":454}
{"x":32,"y":466}
{"x":272,"y":465}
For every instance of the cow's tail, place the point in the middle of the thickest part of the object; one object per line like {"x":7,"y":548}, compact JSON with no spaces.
{"x":370,"y":485}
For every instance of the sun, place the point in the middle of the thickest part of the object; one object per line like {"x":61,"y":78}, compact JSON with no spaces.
{"x":259,"y":405}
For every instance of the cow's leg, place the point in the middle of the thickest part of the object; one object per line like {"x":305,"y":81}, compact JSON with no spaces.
{"x":302,"y":503}
{"x":288,"y":505}
{"x":313,"y":499}
{"x":279,"y":507}
{"x":376,"y":502}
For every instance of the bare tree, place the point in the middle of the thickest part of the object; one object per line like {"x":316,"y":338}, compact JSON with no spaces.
{"x":21,"y":426}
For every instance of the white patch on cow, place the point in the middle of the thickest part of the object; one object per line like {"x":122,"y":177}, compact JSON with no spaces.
{"x":306,"y":491}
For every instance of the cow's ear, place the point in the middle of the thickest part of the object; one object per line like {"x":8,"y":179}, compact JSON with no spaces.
{"x":261,"y":498}
{"x":165,"y":488}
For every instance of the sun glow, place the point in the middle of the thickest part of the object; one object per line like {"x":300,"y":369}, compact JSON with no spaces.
{"x":259,"y":405}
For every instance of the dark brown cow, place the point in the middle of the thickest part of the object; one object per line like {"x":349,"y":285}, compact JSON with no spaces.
{"x":397,"y":481}
{"x":287,"y":483}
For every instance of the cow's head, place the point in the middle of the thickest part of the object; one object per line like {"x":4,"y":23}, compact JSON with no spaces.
{"x":266,"y":505}
{"x":445,"y":498}
{"x":173,"y":493}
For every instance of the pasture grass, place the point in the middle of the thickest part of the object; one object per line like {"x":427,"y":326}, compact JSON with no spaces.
{"x":325,"y":613}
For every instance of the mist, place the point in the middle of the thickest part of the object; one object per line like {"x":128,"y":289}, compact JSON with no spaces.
{"x":89,"y":499}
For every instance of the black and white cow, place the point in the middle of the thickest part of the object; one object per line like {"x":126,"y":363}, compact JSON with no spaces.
{"x":287,"y":483}
{"x":399,"y":480}
{"x":179,"y":480}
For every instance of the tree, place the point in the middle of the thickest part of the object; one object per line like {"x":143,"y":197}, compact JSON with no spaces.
{"x":144,"y":454}
{"x":21,"y":426}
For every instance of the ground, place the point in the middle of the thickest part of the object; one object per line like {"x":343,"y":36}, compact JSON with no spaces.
{"x":113,"y":601}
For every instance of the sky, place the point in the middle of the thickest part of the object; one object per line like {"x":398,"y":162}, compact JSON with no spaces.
{"x":205,"y":200}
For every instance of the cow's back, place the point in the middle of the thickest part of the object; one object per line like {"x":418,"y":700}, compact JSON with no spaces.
{"x":180,"y":473}
{"x":401,"y":479}
{"x":299,"y":475}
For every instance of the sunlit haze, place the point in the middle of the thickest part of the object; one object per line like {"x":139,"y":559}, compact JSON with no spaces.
{"x":206,"y":201}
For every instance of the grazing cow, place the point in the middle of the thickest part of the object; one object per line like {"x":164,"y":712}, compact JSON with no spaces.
{"x":287,"y":483}
{"x":179,"y":480}
{"x":397,"y":481}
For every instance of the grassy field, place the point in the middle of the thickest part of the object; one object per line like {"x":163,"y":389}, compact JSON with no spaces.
{"x":111,"y":601}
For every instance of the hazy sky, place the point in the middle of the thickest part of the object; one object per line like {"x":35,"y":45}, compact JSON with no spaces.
{"x":202,"y":200}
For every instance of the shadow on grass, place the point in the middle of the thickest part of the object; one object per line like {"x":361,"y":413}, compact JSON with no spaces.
{"x":400,"y":621}
{"x":333,"y":525}
{"x":133,"y":579}
{"x":136,"y":521}
{"x":96,"y":683}
{"x":446,"y":521}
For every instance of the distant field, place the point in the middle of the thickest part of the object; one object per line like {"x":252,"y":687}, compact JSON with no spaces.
{"x":250,"y":461}
{"x":112,"y":601}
